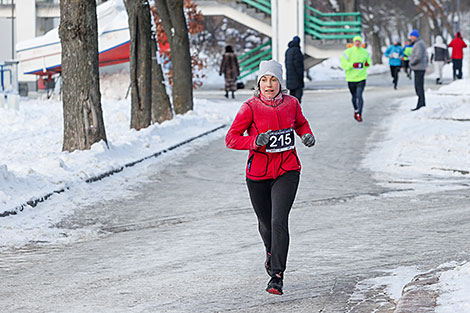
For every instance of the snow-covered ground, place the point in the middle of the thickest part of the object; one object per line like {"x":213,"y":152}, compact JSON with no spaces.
{"x":330,"y":69}
{"x":392,"y":283}
{"x":432,"y":141}
{"x":32,"y":163}
{"x":454,"y":290}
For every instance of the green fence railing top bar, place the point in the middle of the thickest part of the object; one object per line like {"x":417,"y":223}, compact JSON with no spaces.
{"x":307,"y":7}
{"x":250,"y":60}
{"x":262,"y":5}
{"x":331,"y":26}
{"x":243,"y":56}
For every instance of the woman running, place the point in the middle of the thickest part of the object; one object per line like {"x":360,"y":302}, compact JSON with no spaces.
{"x":270,"y":119}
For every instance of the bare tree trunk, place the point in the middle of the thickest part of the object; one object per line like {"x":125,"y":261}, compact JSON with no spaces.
{"x":402,"y":34}
{"x":376,"y":49}
{"x":174,"y":22}
{"x":425,"y":30}
{"x":347,"y":6}
{"x":83,"y":118}
{"x":161,"y":106}
{"x":140,"y":62}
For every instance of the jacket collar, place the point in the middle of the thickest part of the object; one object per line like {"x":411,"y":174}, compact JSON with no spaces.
{"x":272,"y":102}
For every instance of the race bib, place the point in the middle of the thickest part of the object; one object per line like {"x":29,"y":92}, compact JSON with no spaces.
{"x":395,"y":55}
{"x":281,"y":140}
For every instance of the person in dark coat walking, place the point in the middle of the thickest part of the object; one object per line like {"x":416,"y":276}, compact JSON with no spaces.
{"x":295,"y":69}
{"x":229,"y":67}
{"x":457,"y":44}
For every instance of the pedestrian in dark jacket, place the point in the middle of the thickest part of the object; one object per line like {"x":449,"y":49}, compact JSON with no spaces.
{"x":457,"y":44}
{"x":418,"y":63}
{"x":440,"y":56}
{"x":229,"y":67}
{"x":295,"y":69}
{"x":270,"y":120}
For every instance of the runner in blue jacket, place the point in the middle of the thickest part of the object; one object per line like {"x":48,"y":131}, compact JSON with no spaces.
{"x":394,"y":53}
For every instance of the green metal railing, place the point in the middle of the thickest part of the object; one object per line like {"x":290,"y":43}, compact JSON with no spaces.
{"x":262,"y":5}
{"x":319,"y":25}
{"x":250,"y":61}
{"x":331,"y":25}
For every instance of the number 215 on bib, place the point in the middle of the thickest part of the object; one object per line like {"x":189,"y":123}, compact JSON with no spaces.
{"x":281,"y":140}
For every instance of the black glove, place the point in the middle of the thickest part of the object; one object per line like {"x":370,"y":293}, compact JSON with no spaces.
{"x":262,"y":139}
{"x":308,"y":140}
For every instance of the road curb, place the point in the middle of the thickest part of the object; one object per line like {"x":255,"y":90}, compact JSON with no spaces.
{"x":35,"y":201}
{"x":420,"y":295}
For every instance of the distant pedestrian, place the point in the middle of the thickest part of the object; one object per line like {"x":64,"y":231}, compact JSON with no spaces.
{"x":394,"y":53}
{"x":266,"y":125}
{"x":355,"y":61}
{"x":440,"y":56}
{"x":295,"y":69}
{"x":407,"y":49}
{"x":418,"y":63}
{"x":229,"y":67}
{"x":457,"y":44}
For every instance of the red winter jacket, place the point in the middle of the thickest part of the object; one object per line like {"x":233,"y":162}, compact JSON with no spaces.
{"x":457,"y":45}
{"x":258,"y":115}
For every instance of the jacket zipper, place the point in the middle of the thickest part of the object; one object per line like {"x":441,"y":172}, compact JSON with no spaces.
{"x":275,"y":170}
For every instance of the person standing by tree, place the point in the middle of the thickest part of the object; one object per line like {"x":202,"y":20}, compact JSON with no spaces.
{"x":418,"y":63}
{"x":407,"y":49}
{"x":229,"y":67}
{"x":295,"y":69}
{"x":355,"y":61}
{"x":270,"y":119}
{"x":394,"y":53}
{"x":440,"y":56}
{"x":457,"y":44}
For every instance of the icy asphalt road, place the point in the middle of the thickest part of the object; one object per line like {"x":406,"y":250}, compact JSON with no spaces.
{"x":187,"y":240}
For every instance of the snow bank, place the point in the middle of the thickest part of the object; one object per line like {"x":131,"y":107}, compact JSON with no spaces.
{"x":31,"y":161}
{"x":454,"y":290}
{"x":392,"y":284}
{"x":431,"y":141}
{"x":330,"y":69}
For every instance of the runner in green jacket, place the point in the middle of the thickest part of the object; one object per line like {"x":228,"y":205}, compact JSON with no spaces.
{"x":355,"y":61}
{"x":406,"y":61}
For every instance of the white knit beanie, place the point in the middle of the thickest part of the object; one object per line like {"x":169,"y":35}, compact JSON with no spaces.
{"x":272,"y":68}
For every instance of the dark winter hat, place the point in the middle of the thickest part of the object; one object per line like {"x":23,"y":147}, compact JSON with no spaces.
{"x":415,"y":33}
{"x":228,"y":49}
{"x":270,"y":67}
{"x":296,"y":39}
{"x":458,"y":35}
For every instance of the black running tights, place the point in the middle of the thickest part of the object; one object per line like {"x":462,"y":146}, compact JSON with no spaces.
{"x":272,"y":200}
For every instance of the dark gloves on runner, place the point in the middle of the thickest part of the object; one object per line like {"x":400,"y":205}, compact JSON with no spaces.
{"x":308,"y":140}
{"x":262,"y":139}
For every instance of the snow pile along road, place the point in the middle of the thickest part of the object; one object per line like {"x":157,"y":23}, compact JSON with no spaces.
{"x":33,"y":165}
{"x":430,"y":142}
{"x":454,"y":289}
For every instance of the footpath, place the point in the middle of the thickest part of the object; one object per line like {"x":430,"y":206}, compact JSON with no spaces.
{"x":341,"y":241}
